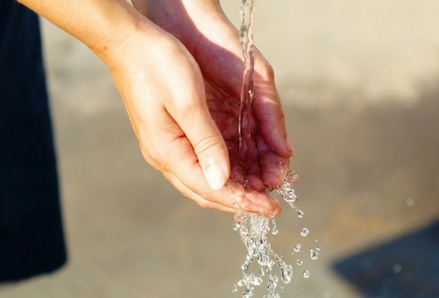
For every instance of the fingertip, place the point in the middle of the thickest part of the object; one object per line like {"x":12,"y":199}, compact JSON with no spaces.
{"x":273,"y":208}
{"x":261,"y":203}
{"x":277,"y":208}
{"x":289,"y":146}
{"x":274,"y":174}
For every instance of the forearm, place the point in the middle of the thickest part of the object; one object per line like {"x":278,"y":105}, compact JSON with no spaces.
{"x":142,"y":5}
{"x":189,"y":19}
{"x":100,"y":24}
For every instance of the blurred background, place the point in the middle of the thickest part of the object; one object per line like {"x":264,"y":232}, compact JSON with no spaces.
{"x":359,"y":81}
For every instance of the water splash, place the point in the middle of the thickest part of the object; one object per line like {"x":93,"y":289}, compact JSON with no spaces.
{"x":313,"y":254}
{"x":274,"y":230}
{"x":304,"y":232}
{"x":306,"y":274}
{"x":254,"y":231}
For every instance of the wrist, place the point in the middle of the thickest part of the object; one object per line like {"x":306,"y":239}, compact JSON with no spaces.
{"x":99,"y":24}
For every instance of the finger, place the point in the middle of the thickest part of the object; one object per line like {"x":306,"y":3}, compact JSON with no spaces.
{"x":268,"y":110}
{"x":189,"y":194}
{"x":274,"y":167}
{"x":193,"y":117}
{"x":196,"y":187}
{"x":242,"y":205}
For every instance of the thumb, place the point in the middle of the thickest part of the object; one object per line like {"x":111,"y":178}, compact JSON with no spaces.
{"x":188,"y":107}
{"x":207,"y":142}
{"x":210,"y":148}
{"x":213,"y":157}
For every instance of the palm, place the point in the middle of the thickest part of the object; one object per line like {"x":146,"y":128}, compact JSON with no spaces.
{"x":225,"y":109}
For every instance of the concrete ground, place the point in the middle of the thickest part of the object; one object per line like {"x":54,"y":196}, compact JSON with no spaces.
{"x":359,"y":82}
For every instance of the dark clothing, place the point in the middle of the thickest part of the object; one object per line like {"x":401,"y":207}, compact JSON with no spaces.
{"x":31,"y":235}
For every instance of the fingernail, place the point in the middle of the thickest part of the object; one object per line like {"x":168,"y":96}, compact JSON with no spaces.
{"x":215,"y":176}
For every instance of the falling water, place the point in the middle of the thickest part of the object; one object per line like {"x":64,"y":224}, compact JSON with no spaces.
{"x":254,"y":230}
{"x":246,"y":38}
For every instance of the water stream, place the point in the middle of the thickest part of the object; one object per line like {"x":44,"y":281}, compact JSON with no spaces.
{"x":254,"y":230}
{"x":246,"y":38}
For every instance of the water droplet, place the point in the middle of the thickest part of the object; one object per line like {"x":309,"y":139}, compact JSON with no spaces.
{"x":304,"y":232}
{"x":299,"y":262}
{"x":235,"y":288}
{"x":242,"y":217}
{"x":236,"y":226}
{"x":248,"y":293}
{"x":300,"y":213}
{"x":274,"y":230}
{"x":287,"y":274}
{"x":410,"y":202}
{"x":318,"y":248}
{"x":244,"y":267}
{"x":254,"y":280}
{"x":313,"y":254}
{"x":290,"y":196}
{"x":242,"y":282}
{"x":298,"y":247}
{"x":326,"y":294}
{"x":306,"y":274}
{"x":271,"y":286}
{"x":263,"y":258}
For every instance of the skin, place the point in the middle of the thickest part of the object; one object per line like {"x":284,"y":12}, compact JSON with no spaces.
{"x":177,"y":66}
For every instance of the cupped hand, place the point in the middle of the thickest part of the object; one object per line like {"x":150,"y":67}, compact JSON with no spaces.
{"x":165,"y":97}
{"x":214,"y":43}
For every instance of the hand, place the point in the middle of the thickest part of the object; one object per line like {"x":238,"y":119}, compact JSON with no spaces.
{"x":214,"y":43}
{"x":165,"y":97}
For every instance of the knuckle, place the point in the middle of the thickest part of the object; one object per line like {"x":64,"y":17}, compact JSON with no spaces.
{"x":188,"y":106}
{"x":205,"y":145}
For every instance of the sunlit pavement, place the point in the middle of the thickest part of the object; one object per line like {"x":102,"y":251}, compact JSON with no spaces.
{"x":359,"y":84}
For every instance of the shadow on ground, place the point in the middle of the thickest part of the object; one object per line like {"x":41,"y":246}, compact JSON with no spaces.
{"x":407,"y":267}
